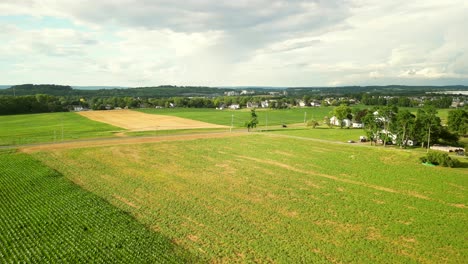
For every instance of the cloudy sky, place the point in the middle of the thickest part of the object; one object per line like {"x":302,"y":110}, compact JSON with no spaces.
{"x":234,"y":43}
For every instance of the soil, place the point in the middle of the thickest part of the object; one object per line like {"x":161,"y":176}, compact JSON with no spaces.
{"x":137,"y":121}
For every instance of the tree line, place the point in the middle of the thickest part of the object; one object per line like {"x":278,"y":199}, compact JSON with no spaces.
{"x":389,"y":124}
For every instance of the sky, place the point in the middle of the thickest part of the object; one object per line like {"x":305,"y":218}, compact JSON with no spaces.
{"x":234,"y":43}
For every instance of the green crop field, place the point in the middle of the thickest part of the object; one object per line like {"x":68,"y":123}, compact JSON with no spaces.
{"x":34,"y":128}
{"x":44,"y":218}
{"x":265,"y":116}
{"x":273,"y":198}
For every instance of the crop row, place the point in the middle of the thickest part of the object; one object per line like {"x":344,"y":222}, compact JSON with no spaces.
{"x":45,"y":218}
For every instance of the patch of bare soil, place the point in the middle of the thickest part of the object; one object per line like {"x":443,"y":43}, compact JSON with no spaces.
{"x":137,"y":121}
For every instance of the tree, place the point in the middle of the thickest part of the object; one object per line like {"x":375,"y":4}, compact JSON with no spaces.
{"x":428,"y":125}
{"x":341,"y":112}
{"x":386,"y":116}
{"x":458,"y":121}
{"x":402,"y":126}
{"x":371,"y":126}
{"x":253,"y":120}
{"x":312,"y":123}
{"x":326,"y":121}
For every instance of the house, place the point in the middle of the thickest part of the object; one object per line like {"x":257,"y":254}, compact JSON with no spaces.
{"x":245,"y":92}
{"x":301,"y":103}
{"x":264,"y":104}
{"x":78,"y":108}
{"x":234,"y":106}
{"x":346,"y":122}
{"x":252,"y":105}
{"x":336,"y":122}
{"x":315,"y":104}
{"x":231,"y":93}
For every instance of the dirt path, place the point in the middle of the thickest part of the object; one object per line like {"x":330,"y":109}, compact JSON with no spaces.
{"x":137,"y":121}
{"x":123,"y":141}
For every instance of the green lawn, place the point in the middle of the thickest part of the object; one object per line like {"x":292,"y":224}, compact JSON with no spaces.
{"x":35,"y":128}
{"x":44,"y":218}
{"x":325,"y":133}
{"x":265,"y":116}
{"x":266,"y":198}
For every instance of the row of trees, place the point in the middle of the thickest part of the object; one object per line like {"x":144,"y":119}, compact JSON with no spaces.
{"x":403,"y":101}
{"x":391,"y":124}
{"x":399,"y":126}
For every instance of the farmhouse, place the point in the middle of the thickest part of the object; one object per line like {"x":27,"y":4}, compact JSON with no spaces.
{"x":234,"y":106}
{"x":335,"y":121}
{"x":252,"y":105}
{"x":315,"y":104}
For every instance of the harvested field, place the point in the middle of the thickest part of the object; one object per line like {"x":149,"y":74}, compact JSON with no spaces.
{"x":137,"y":121}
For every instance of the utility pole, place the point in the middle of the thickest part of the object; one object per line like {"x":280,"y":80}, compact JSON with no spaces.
{"x":428,"y":138}
{"x":232,"y":122}
{"x":266,"y":120}
{"x":305,"y":117}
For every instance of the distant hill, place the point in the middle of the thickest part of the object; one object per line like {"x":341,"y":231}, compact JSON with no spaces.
{"x":384,"y":90}
{"x":159,"y":91}
{"x":4,"y":86}
{"x":194,"y":91}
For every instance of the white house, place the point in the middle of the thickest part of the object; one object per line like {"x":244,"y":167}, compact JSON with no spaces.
{"x":315,"y":104}
{"x":252,"y":105}
{"x":336,"y":122}
{"x":78,"y":108}
{"x":234,"y":106}
{"x":358,"y":125}
{"x":264,"y":104}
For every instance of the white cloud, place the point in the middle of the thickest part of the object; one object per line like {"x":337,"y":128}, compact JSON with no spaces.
{"x":260,"y":42}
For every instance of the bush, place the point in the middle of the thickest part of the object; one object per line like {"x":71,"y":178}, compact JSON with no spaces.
{"x":440,"y":158}
{"x":312,"y":123}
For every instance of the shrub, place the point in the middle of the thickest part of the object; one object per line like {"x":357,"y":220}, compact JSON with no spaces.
{"x":312,"y":123}
{"x":440,"y":158}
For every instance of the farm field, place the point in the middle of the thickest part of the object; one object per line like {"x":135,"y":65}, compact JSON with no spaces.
{"x":223,"y":117}
{"x":266,"y":198}
{"x":35,"y":128}
{"x":44,"y":218}
{"x":138,"y":121}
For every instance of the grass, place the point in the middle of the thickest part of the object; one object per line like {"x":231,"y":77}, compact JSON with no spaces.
{"x":175,"y":132}
{"x":265,"y":116}
{"x":35,"y":128}
{"x":268,"y":198}
{"x":325,"y":133}
{"x":44,"y":218}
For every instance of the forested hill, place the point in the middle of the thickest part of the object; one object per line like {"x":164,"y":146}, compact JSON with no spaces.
{"x":376,"y":90}
{"x":159,"y":91}
{"x":195,"y":91}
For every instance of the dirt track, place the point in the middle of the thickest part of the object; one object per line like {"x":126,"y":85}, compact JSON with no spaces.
{"x":123,"y":141}
{"x":137,"y":121}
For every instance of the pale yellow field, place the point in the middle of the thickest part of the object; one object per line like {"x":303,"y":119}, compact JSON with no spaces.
{"x":137,"y":121}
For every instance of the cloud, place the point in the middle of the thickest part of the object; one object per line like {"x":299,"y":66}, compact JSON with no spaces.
{"x":257,"y":42}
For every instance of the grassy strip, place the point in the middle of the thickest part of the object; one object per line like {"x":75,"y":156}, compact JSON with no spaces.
{"x":175,"y":132}
{"x":51,"y":127}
